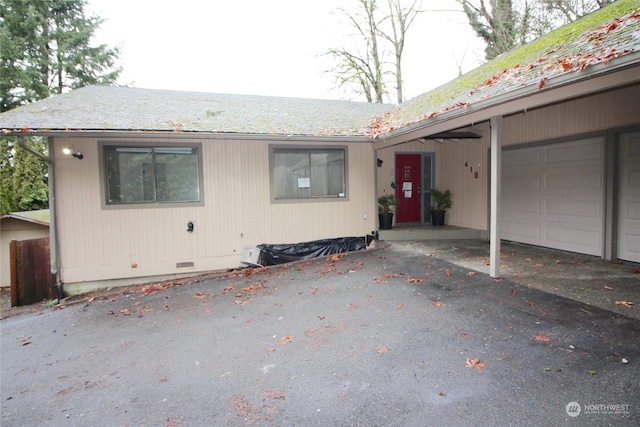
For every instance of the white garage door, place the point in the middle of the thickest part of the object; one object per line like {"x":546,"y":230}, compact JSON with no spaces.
{"x":629,"y":201}
{"x":553,"y":196}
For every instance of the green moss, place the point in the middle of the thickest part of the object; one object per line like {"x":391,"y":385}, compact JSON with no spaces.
{"x":557,"y":43}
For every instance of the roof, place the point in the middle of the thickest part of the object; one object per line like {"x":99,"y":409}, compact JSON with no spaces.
{"x":103,"y":108}
{"x":40,"y":217}
{"x":574,"y":53}
{"x":572,"y":50}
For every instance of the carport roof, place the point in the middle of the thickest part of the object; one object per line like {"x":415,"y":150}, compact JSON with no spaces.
{"x":569,"y":53}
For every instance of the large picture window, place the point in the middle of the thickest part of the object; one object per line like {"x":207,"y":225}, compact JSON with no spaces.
{"x":307,"y":173}
{"x":151,"y":174}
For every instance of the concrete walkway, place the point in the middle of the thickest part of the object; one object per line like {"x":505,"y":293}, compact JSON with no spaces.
{"x":396,"y":336}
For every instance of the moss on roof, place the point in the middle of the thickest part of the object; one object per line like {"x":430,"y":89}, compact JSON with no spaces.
{"x":608,"y":33}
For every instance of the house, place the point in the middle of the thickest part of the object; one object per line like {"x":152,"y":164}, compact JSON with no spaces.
{"x":19,"y":226}
{"x":540,"y":145}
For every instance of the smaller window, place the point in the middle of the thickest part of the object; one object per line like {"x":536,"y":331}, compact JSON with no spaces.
{"x":307,"y":173}
{"x":151,"y":174}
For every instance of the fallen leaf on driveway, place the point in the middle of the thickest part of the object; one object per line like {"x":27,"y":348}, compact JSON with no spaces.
{"x":382,"y":349}
{"x":391,"y":275}
{"x":608,"y":288}
{"x":475,"y":363}
{"x":285,"y":339}
{"x":635,"y":270}
{"x":538,"y":265}
{"x":379,"y":280}
{"x":463,"y":334}
{"x":625,"y":303}
{"x":400,"y":306}
{"x":472,"y":273}
{"x":229,"y":288}
{"x":541,"y":338}
{"x":437,"y":303}
{"x":414,"y":280}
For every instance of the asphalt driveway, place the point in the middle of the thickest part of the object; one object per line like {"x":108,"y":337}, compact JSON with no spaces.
{"x":388,"y":337}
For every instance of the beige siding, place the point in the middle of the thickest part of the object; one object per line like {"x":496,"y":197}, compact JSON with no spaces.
{"x":14,"y":229}
{"x":594,"y":113}
{"x":469,"y":193}
{"x":102,"y":244}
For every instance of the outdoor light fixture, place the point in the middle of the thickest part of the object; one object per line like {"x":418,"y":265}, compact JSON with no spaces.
{"x":77,"y":154}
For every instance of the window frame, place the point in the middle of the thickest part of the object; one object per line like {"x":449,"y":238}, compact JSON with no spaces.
{"x":273,"y":148}
{"x":104,"y":193}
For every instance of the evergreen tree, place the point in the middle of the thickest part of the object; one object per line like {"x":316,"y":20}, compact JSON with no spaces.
{"x":30,"y":178}
{"x":45,"y":49}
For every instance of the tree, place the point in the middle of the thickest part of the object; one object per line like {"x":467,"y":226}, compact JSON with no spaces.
{"x":497,"y":24}
{"x":363,"y":67}
{"x":45,"y":49}
{"x":505,"y":24}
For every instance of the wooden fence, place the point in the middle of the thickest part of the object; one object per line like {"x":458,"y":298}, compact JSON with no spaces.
{"x":31,"y":278}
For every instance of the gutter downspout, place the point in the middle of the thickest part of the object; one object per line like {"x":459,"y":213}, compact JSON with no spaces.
{"x":53,"y":222}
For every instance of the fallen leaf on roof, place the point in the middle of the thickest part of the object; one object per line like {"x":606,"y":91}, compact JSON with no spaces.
{"x":625,"y":303}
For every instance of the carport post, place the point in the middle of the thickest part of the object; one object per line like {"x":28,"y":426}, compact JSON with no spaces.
{"x":496,"y":159}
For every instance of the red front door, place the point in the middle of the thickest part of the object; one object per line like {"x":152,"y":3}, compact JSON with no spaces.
{"x":408,"y":187}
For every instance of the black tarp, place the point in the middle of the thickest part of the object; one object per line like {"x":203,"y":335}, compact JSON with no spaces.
{"x":283,"y":253}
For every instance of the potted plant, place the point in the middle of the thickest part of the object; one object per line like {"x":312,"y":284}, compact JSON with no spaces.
{"x":384,"y":210}
{"x":442,"y":200}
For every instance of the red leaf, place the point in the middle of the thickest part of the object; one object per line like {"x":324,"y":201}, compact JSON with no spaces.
{"x":542,"y":82}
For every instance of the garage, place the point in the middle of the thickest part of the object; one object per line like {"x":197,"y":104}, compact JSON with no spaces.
{"x":629,"y":200}
{"x":553,"y":195}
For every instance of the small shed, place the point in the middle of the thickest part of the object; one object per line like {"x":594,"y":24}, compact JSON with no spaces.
{"x":19,"y":226}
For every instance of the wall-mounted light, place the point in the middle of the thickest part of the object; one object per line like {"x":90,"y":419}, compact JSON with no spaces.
{"x":380,"y":162}
{"x":70,"y":151}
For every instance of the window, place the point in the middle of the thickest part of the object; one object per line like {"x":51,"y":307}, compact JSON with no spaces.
{"x":308,"y":173}
{"x":151,"y":174}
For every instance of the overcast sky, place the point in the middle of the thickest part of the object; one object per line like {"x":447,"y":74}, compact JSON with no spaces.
{"x":268,"y":47}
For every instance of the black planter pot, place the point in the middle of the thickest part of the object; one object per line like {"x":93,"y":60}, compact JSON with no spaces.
{"x":386,"y":220}
{"x":437,"y":217}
